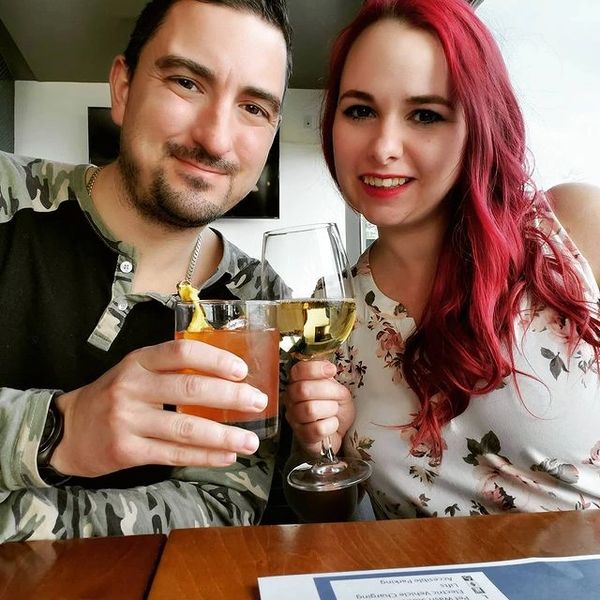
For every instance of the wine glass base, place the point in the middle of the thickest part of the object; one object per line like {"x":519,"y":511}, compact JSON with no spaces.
{"x":323,"y":476}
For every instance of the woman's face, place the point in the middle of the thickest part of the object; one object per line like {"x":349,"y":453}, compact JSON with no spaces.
{"x":398,"y":140}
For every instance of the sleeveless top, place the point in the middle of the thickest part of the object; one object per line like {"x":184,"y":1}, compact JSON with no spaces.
{"x":537,"y":450}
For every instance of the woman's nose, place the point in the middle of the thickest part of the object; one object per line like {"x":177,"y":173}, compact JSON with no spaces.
{"x":387,"y":144}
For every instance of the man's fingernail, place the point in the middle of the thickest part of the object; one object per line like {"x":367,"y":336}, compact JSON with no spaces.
{"x":259,"y":400}
{"x":251,"y":443}
{"x":239,"y":369}
{"x":244,"y":442}
{"x":226,"y":459}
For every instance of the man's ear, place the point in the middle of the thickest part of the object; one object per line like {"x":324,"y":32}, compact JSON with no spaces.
{"x":119,"y":88}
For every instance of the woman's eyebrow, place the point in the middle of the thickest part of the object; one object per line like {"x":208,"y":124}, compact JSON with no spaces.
{"x":357,"y":95}
{"x":430,"y":99}
{"x":420,"y":99}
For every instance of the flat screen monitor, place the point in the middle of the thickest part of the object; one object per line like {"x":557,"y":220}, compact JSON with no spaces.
{"x":261,"y":203}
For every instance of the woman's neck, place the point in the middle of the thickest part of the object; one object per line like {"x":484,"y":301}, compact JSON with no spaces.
{"x":404,"y":263}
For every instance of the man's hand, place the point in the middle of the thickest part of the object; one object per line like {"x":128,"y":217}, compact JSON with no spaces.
{"x":118,"y":421}
{"x":317,"y":406}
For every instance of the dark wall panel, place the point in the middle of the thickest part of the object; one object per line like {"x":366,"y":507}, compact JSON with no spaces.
{"x":7,"y":108}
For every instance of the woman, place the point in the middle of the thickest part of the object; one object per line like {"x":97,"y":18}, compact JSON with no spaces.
{"x":470,"y":381}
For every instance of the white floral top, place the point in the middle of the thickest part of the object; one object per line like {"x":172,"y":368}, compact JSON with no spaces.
{"x":536,"y":452}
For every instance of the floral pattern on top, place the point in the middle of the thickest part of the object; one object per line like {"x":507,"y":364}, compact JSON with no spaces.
{"x":531,"y":445}
{"x":594,"y":457}
{"x":390,"y":345}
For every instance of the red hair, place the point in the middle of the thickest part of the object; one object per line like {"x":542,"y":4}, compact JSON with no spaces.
{"x":494,"y":251}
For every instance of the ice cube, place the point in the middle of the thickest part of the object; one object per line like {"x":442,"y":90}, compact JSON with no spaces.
{"x":240,"y":323}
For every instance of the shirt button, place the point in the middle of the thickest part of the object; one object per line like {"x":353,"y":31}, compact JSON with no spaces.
{"x":126,"y":267}
{"x":122,"y":305}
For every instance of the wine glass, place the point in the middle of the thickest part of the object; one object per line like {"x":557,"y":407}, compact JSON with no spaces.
{"x":315,"y":315}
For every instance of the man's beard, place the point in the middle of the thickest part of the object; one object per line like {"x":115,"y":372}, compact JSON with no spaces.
{"x":162,"y":204}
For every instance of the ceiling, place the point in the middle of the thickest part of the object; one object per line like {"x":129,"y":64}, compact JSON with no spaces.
{"x":76,"y":40}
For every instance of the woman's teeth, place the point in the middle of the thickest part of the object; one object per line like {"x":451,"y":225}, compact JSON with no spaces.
{"x":385,"y":183}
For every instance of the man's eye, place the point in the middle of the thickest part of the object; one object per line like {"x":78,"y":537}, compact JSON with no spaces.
{"x":426,"y":116}
{"x":186,"y":83}
{"x":255,"y":110}
{"x":358,"y":111}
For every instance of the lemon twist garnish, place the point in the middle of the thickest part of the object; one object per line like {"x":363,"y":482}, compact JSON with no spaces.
{"x":188,"y":293}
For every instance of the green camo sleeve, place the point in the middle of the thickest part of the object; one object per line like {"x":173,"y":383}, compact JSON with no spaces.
{"x":191,"y":497}
{"x":235,"y":495}
{"x":22,"y":418}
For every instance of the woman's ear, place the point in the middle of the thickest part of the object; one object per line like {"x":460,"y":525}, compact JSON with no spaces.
{"x":119,"y":88}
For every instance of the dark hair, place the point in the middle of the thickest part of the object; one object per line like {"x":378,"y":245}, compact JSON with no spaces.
{"x":494,"y":253}
{"x":155,"y":12}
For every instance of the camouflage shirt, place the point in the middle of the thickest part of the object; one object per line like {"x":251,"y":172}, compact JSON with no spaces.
{"x":67,"y":315}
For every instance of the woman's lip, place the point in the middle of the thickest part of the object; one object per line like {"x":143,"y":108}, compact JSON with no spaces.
{"x":385,"y":192}
{"x":386,"y":176}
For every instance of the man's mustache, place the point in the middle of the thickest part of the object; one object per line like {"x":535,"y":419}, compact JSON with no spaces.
{"x":200,"y":155}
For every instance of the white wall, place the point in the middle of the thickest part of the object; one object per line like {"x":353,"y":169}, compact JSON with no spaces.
{"x":307,"y":194}
{"x":51,"y":122}
{"x":552,"y":50}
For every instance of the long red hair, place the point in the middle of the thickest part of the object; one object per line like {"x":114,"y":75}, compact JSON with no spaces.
{"x":494,"y":251}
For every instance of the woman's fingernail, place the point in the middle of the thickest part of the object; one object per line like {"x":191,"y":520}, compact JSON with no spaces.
{"x":329,"y":370}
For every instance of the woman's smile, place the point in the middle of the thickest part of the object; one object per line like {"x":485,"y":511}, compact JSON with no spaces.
{"x":398,"y":137}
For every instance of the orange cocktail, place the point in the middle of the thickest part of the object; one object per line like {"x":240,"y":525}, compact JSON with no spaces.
{"x":248,"y":330}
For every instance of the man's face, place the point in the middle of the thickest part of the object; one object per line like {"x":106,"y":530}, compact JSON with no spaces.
{"x":200,"y":113}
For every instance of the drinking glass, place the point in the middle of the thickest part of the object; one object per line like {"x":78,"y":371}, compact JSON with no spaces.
{"x":249,"y":330}
{"x":305,"y":268}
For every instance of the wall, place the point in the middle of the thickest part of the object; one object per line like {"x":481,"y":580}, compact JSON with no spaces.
{"x":552,"y":51}
{"x":553,"y":56}
{"x":7,"y":97}
{"x":51,"y":122}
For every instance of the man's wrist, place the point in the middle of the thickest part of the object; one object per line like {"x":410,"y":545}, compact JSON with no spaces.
{"x":51,"y":438}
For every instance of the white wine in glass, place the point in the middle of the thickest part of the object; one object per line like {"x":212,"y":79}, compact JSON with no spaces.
{"x":315,"y":316}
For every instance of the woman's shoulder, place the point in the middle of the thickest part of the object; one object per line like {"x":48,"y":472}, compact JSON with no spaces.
{"x":577,"y":207}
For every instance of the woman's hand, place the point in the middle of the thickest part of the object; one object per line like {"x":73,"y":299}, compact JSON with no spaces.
{"x":317,"y":406}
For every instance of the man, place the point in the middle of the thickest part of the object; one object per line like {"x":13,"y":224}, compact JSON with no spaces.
{"x":89,"y":262}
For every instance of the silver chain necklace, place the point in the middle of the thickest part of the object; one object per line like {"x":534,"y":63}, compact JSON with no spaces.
{"x":89,"y":186}
{"x":193,"y":260}
{"x":189,"y":274}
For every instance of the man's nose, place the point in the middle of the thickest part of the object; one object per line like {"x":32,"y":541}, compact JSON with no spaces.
{"x":213,"y":129}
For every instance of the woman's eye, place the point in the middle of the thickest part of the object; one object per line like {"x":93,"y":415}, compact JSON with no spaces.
{"x":426,"y":116}
{"x":358,"y":111}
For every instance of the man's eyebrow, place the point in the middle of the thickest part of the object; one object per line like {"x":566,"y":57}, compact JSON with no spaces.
{"x":423,"y":99}
{"x":172,"y":61}
{"x":267,"y":97}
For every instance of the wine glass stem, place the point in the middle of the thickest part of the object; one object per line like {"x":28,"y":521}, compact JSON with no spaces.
{"x":327,"y":451}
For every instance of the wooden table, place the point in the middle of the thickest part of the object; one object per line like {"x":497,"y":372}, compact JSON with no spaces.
{"x":113,"y":567}
{"x":224,"y":563}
